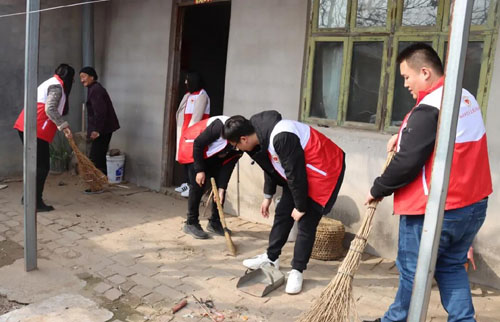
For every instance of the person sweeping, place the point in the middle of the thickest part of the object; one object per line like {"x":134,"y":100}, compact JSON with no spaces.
{"x":408,"y":177}
{"x":309,"y":167}
{"x":206,"y":154}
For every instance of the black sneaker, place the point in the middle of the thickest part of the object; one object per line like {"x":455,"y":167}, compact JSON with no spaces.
{"x":42,"y":207}
{"x":90,"y":192}
{"x":216,"y":228}
{"x":195,"y":230}
{"x":376,"y":320}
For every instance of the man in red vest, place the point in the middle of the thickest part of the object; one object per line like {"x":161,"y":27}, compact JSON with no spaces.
{"x":309,"y":167}
{"x":206,"y":154}
{"x":408,"y":177}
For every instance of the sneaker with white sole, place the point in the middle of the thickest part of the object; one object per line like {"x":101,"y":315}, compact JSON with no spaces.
{"x":185,"y":193}
{"x":259,"y":260}
{"x":294,"y":282}
{"x":181,"y":188}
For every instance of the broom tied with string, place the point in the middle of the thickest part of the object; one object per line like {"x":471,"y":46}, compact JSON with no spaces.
{"x":92,"y":176}
{"x":336,"y":303}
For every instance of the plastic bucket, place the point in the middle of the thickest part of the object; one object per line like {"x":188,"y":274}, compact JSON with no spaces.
{"x":114,"y":165}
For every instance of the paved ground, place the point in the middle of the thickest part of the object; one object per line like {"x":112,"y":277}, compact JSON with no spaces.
{"x":127,"y":248}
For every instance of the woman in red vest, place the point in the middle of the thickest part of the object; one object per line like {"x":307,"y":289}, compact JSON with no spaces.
{"x":194,"y":107}
{"x":52,"y":104}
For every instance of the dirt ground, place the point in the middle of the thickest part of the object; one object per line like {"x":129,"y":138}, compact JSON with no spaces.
{"x":128,"y":246}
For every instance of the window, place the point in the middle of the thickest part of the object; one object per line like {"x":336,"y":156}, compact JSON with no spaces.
{"x":352,"y":78}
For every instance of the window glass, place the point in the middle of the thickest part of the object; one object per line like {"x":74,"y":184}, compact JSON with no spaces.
{"x":327,"y":75}
{"x":332,"y":14}
{"x":419,"y":12}
{"x":402,"y":100}
{"x":472,"y":65}
{"x":371,"y":13}
{"x":480,"y":12}
{"x":364,"y":81}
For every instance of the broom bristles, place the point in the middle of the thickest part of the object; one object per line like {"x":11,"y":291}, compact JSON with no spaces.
{"x":336,"y":303}
{"x":87,"y":171}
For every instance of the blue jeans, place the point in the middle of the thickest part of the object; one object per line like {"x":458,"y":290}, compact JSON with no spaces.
{"x":460,"y":226}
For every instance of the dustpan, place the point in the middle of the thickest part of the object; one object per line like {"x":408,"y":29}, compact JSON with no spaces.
{"x":261,"y":281}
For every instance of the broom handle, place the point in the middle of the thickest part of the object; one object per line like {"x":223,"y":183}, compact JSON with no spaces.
{"x":215,"y":192}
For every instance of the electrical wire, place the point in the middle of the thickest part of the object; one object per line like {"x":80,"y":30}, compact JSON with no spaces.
{"x":52,"y":8}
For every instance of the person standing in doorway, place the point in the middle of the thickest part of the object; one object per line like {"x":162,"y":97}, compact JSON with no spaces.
{"x":408,"y":177}
{"x":194,"y":107}
{"x":52,"y":104}
{"x":101,"y":116}
{"x":310,"y":168}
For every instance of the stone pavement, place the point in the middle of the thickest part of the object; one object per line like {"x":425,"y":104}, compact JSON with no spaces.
{"x":128,"y":249}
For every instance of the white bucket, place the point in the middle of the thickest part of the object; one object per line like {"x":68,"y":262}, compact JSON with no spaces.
{"x":115,"y":167}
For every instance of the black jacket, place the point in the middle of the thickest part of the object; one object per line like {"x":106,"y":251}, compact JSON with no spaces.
{"x":211,"y":134}
{"x":291,"y":156}
{"x":416,"y":146}
{"x":101,"y":114}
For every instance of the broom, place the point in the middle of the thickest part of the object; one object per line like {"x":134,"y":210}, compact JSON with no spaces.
{"x":229,"y":242}
{"x":87,"y":171}
{"x":336,"y":302}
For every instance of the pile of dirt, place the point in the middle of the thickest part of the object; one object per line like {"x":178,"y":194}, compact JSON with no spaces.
{"x":7,"y":306}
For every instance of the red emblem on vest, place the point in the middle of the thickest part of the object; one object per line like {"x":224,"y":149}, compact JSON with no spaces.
{"x":467,"y":101}
{"x":275,"y":158}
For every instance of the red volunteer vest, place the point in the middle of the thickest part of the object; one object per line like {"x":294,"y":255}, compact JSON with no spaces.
{"x":186,"y":142}
{"x":470,"y":177}
{"x":323,"y":158}
{"x":190,"y":104}
{"x":46,"y":129}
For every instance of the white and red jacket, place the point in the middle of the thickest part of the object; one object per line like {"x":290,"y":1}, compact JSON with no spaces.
{"x":470,"y":177}
{"x":323,"y":158}
{"x":186,"y":142}
{"x":46,"y":128}
{"x":193,"y":108}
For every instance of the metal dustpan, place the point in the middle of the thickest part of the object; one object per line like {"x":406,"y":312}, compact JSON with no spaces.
{"x":261,"y":281}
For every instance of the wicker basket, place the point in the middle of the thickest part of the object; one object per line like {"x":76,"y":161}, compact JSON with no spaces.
{"x":328,"y":243}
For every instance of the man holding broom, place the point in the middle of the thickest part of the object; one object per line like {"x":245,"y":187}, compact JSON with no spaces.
{"x":206,"y":154}
{"x":308,"y":166}
{"x":408,"y":177}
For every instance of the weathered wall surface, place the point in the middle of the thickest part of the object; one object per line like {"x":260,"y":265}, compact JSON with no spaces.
{"x":134,"y":71}
{"x":60,"y":42}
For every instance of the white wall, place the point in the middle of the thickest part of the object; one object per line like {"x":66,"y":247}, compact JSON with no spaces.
{"x":134,"y":71}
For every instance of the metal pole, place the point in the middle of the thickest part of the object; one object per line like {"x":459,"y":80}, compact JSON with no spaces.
{"x":434,"y":211}
{"x":87,"y":47}
{"x":30,"y":146}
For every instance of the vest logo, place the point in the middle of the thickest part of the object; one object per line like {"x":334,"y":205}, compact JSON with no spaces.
{"x":467,"y":101}
{"x":275,"y":158}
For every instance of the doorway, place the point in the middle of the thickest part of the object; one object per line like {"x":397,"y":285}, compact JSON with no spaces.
{"x":202,"y":34}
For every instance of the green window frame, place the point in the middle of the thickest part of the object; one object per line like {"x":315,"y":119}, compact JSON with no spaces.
{"x":390,"y":36}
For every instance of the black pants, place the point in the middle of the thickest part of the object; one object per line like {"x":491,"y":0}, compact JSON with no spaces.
{"x":221,"y":173}
{"x":42,"y":164}
{"x":98,"y":151}
{"x":307,"y":225}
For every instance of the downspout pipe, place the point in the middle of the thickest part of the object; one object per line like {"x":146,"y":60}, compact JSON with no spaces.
{"x":87,"y":47}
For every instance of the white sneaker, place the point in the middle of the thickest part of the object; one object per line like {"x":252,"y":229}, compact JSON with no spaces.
{"x":185,"y":192}
{"x":182,"y":187}
{"x":259,"y":260}
{"x":294,"y":283}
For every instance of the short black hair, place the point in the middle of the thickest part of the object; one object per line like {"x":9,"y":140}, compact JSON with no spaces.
{"x":419,"y":55}
{"x":89,"y":71}
{"x":236,"y":127}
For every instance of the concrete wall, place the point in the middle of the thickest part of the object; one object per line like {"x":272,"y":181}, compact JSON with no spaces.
{"x":264,"y":71}
{"x":134,"y":71}
{"x":60,"y":41}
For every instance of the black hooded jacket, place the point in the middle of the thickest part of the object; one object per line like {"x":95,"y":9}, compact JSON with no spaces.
{"x":290,"y":153}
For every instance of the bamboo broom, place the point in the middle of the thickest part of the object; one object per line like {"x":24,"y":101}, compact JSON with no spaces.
{"x":87,"y":171}
{"x":336,"y":303}
{"x":229,"y":242}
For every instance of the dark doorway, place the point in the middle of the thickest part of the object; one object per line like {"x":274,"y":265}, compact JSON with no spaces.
{"x":204,"y":33}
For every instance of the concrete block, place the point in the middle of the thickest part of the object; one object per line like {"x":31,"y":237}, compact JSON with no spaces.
{"x":122,"y":270}
{"x":145,"y":281}
{"x":140,"y":291}
{"x":117,"y":279}
{"x":169,"y":292}
{"x":113,"y":294}
{"x":102,"y":287}
{"x":144,"y":270}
